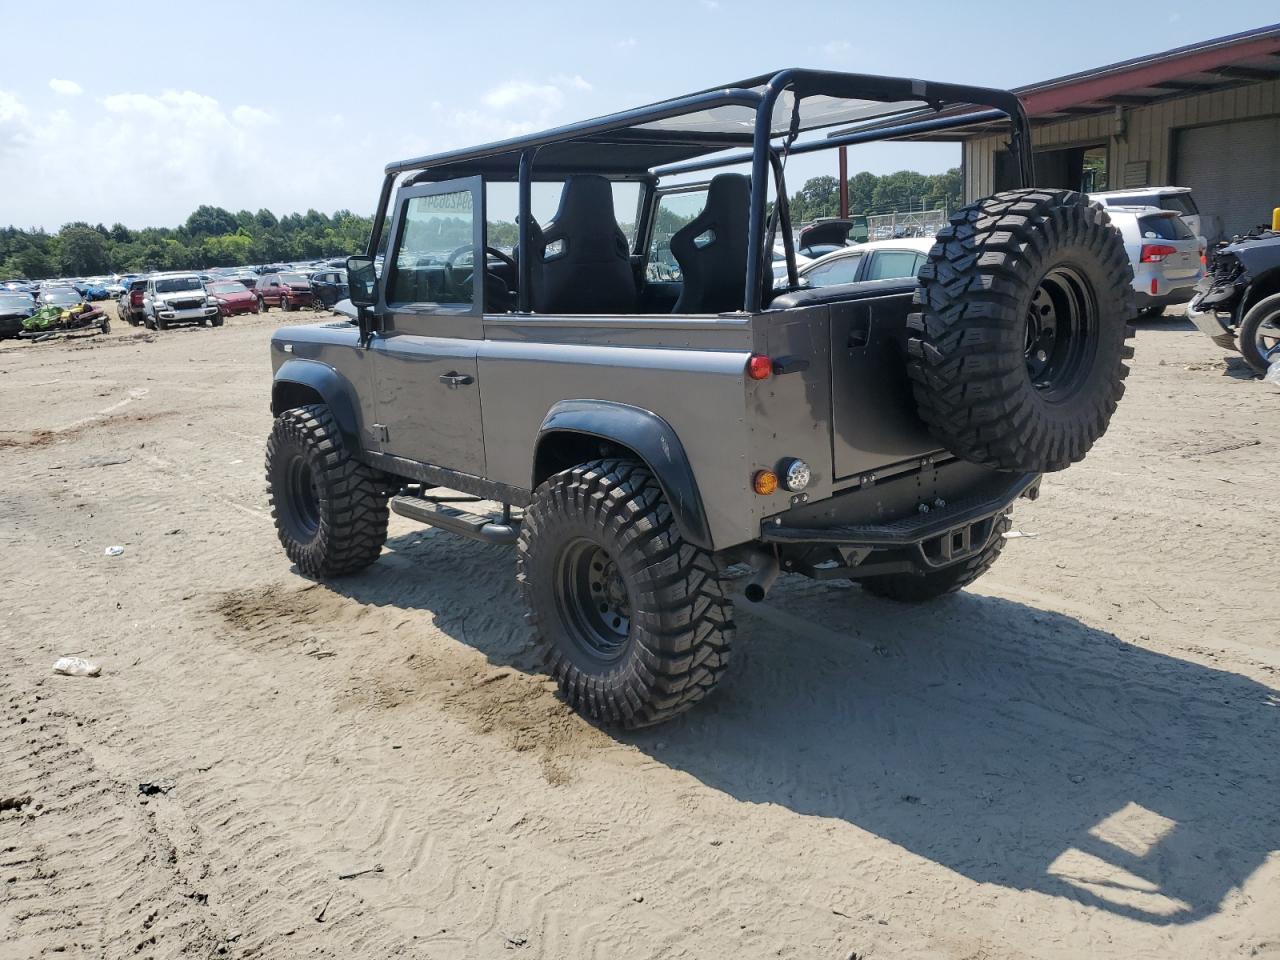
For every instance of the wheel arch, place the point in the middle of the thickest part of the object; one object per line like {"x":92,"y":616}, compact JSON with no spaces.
{"x":575,"y":431}
{"x":1260,"y":288}
{"x":300,"y":382}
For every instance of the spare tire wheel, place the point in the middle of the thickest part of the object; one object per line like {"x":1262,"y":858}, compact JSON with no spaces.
{"x":1016,"y":355}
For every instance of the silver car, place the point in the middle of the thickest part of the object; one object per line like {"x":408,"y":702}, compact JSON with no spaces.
{"x":1167,"y":257}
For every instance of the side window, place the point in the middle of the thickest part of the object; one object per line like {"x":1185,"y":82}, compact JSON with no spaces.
{"x":892,"y":264}
{"x":674,"y":211}
{"x":434,"y":258}
{"x":838,"y":270}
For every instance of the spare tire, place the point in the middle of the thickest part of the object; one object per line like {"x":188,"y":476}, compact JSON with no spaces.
{"x":1016,"y":355}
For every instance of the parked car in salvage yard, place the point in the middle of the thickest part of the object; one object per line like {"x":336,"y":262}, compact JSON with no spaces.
{"x":1238,"y":303}
{"x":653,"y":433}
{"x":1166,"y":256}
{"x":170,"y":298}
{"x":286,"y":290}
{"x":232,"y":297}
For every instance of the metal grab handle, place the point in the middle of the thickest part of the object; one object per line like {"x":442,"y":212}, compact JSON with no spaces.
{"x":455,"y":379}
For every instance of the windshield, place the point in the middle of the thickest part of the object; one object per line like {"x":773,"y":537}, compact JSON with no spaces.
{"x":10,"y":301}
{"x":64,"y":295}
{"x":226,"y":287}
{"x":178,"y":284}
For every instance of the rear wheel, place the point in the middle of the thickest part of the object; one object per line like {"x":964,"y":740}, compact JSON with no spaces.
{"x":920,"y":587}
{"x":330,"y":510}
{"x":634,"y":622}
{"x":1260,"y":334}
{"x":1017,"y":353}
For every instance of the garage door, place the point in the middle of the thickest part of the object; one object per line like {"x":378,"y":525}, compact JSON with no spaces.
{"x":1233,"y":168}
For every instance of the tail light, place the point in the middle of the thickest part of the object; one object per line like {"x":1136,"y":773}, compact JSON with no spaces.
{"x":135,"y":298}
{"x":759,"y":367}
{"x":1155,"y":252}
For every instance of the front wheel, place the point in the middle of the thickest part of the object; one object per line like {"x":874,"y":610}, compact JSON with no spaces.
{"x":216,"y":320}
{"x":634,"y":622}
{"x":284,"y":304}
{"x":921,"y":587}
{"x":262,"y":306}
{"x":1260,"y":334}
{"x":330,"y":509}
{"x":161,"y":323}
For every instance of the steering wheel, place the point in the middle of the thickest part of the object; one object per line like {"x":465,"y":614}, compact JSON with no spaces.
{"x":453,"y":280}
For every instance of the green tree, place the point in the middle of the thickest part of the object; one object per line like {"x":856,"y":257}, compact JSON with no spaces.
{"x":82,"y":251}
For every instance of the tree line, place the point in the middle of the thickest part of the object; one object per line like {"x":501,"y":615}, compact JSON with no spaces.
{"x":210,"y":237}
{"x":215,"y":237}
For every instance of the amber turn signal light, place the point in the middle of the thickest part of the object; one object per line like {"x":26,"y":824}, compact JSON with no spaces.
{"x":759,"y":367}
{"x":764,"y":482}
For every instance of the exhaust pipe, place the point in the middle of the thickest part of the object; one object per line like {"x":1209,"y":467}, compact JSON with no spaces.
{"x":766,"y":571}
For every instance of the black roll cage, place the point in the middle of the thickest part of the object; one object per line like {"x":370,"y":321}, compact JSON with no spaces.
{"x":942,"y":109}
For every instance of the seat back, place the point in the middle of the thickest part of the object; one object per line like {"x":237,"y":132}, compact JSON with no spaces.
{"x":712,"y":249}
{"x":582,"y":264}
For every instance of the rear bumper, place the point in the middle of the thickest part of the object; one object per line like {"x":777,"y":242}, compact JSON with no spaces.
{"x":930,"y":537}
{"x":1167,"y":299}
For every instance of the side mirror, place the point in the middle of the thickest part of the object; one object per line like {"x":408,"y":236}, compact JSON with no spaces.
{"x":363,"y":281}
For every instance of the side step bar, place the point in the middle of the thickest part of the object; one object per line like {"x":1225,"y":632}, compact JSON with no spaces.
{"x":485,"y":529}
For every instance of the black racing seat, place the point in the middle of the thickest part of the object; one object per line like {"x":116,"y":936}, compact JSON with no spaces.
{"x":582,"y":264}
{"x":712,"y":249}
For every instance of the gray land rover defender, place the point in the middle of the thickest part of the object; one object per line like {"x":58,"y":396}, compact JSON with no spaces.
{"x":645,"y":407}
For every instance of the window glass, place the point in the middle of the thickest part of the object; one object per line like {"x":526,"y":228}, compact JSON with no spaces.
{"x":674,"y":211}
{"x":433,"y":263}
{"x":892,"y":264}
{"x":502,"y":206}
{"x":1168,"y":227}
{"x":1178,"y":203}
{"x":838,"y":270}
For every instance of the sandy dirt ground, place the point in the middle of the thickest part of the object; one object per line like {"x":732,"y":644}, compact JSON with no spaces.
{"x":1075,"y":758}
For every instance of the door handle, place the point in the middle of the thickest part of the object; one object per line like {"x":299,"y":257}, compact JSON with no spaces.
{"x":453,"y":379}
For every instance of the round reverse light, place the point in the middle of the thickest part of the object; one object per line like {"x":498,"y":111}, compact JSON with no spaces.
{"x":794,"y":474}
{"x":764,"y":482}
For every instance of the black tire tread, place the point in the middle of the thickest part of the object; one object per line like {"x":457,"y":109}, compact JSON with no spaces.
{"x":964,"y":349}
{"x":354,"y":513}
{"x":682,"y":626}
{"x":1247,"y":334}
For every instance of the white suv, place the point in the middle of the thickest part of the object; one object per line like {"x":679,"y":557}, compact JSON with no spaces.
{"x":178,"y":298}
{"x":1177,"y":199}
{"x":1167,"y":256}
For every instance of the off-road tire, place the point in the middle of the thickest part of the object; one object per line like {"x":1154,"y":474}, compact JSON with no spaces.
{"x":676,"y":642}
{"x":216,"y":320}
{"x":161,"y":323}
{"x":340,"y":526}
{"x":921,"y":587}
{"x":1266,"y":309}
{"x":982,"y":291}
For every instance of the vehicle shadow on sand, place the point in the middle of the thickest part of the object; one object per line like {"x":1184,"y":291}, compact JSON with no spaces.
{"x":1013,"y":745}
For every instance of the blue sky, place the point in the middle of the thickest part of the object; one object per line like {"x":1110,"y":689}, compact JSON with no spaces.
{"x":138,"y":112}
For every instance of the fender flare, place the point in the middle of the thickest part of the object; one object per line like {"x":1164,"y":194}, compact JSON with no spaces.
{"x":333,"y":388}
{"x":651,"y":438}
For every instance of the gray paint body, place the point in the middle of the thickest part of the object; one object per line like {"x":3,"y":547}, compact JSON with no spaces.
{"x":849,"y":413}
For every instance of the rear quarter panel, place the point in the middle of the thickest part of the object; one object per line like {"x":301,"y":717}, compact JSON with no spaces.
{"x":690,"y":372}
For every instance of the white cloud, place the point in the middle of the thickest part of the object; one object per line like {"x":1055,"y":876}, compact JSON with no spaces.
{"x":68,"y":88}
{"x":574,"y":83}
{"x":626,"y":43}
{"x":518,"y":92}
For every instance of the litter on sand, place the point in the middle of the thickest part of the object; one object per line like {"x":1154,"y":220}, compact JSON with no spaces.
{"x":1015,"y":534}
{"x":113,"y":551}
{"x":76,"y":667}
